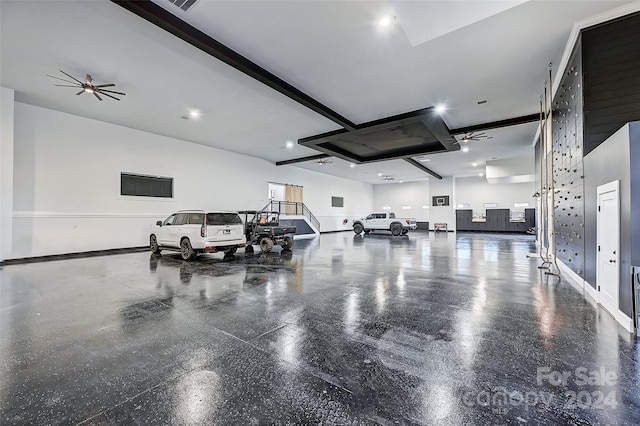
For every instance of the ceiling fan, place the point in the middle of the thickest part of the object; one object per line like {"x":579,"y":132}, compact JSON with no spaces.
{"x":324,"y":162}
{"x":88,"y":86}
{"x":471,"y":136}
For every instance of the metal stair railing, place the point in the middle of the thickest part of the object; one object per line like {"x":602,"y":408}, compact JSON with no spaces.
{"x":293,"y":208}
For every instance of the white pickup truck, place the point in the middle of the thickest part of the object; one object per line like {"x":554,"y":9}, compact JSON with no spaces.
{"x":384,"y":222}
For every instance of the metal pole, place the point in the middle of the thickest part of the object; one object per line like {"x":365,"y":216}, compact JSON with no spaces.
{"x":552,"y":186}
{"x":542,"y":213}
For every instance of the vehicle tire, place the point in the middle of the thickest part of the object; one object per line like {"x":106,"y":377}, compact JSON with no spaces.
{"x":248,"y":249}
{"x":287,"y":243}
{"x":404,"y":231}
{"x":396,"y":229}
{"x":266,"y":244}
{"x":230,"y":251}
{"x":153,"y":244}
{"x":186,"y":251}
{"x":358,"y":228}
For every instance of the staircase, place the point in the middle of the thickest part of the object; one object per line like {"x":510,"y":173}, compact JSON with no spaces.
{"x":296,"y":214}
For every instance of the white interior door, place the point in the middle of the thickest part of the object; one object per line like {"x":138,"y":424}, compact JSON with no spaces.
{"x":608,"y":269}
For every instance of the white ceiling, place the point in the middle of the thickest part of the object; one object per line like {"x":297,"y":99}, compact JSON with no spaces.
{"x":334,"y":51}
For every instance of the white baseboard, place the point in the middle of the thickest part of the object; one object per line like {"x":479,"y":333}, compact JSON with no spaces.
{"x":625,"y":321}
{"x":590,"y":292}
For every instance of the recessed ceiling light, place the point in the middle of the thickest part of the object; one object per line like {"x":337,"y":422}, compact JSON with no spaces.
{"x":352,"y":165}
{"x":379,"y":174}
{"x":440,"y":108}
{"x":401,"y":181}
{"x":289,"y":144}
{"x":474,"y":164}
{"x":194,"y":113}
{"x":424,"y":160}
{"x":465,"y":148}
{"x":480,"y":174}
{"x":385,"y":21}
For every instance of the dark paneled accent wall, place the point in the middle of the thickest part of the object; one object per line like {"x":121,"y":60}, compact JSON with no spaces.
{"x":611,"y":60}
{"x":568,"y":174}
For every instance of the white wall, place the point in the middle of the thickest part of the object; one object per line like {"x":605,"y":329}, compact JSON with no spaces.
{"x":66,"y":194}
{"x":511,"y":170}
{"x":476,"y":191}
{"x":443,"y":214}
{"x":395,"y":195}
{"x":6,"y":170}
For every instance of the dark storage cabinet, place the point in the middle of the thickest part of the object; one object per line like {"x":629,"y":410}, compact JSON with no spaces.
{"x":497,"y":220}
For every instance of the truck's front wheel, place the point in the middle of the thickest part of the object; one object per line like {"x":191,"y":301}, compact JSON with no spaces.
{"x":396,"y":229}
{"x":358,"y":228}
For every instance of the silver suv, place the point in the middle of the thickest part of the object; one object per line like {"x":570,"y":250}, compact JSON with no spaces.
{"x":198,"y":231}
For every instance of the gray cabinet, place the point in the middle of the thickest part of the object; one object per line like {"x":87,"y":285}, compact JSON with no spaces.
{"x":497,"y":220}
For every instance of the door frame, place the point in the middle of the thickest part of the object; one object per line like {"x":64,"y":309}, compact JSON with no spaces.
{"x":603,"y":189}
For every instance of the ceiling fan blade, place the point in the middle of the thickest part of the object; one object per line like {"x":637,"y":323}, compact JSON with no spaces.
{"x":112,"y":91}
{"x":71,"y":77}
{"x":105,"y":85}
{"x":106,"y":94}
{"x":80,"y":92}
{"x":96,"y":95}
{"x":88,"y":79}
{"x":62,"y":79}
{"x":66,"y":85}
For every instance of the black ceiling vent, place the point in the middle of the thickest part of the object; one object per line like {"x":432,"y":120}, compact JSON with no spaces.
{"x":184,"y":4}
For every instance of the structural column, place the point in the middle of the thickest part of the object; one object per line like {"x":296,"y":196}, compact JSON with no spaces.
{"x":6,"y":171}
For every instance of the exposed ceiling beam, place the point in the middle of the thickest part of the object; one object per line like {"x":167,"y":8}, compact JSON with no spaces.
{"x":423,"y":168}
{"x":302,"y":159}
{"x":497,"y":124}
{"x":158,"y":16}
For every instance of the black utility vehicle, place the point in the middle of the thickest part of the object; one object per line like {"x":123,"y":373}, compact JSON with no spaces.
{"x":263,"y":228}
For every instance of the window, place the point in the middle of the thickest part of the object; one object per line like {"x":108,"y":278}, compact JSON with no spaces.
{"x":337,"y":202}
{"x":520,"y":205}
{"x":490,"y":205}
{"x":196,"y":218}
{"x":386,"y":207}
{"x":181,"y":219}
{"x":223,"y":219}
{"x":169,"y":220}
{"x":464,"y":206}
{"x":405,"y":207}
{"x":146,"y":186}
{"x":391,"y":216}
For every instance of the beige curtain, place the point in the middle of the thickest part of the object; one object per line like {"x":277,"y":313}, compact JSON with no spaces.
{"x":293,"y":193}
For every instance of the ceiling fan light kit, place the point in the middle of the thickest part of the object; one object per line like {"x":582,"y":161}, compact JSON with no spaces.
{"x":88,"y":86}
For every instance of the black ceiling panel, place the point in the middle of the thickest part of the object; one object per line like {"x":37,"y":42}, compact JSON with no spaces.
{"x":401,"y":136}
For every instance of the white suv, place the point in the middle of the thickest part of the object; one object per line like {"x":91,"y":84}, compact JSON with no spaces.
{"x":198,"y":231}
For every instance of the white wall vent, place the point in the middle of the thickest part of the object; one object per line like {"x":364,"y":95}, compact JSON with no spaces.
{"x":185,"y":5}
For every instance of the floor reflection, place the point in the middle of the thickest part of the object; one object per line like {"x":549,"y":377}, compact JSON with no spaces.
{"x":344,"y":329}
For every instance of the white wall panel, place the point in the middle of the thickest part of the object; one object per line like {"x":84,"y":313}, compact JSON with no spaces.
{"x":443,"y":214}
{"x":395,"y":195}
{"x":67,"y":183}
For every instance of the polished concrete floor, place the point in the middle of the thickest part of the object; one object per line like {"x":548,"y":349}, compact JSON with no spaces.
{"x":425,"y":329}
